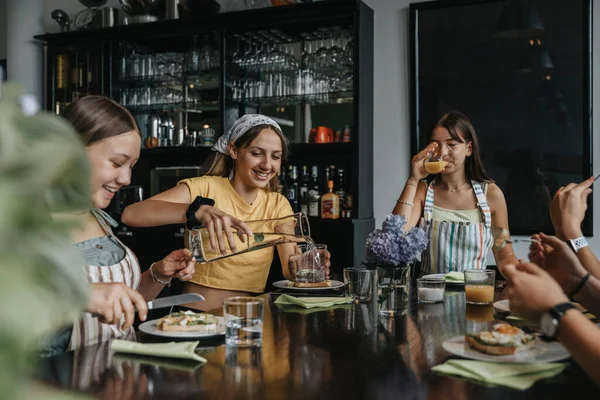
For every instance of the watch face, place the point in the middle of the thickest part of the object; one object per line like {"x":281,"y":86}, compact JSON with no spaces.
{"x":548,"y":325}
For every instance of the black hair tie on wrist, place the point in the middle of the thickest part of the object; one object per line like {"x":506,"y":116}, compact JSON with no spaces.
{"x":190,"y":214}
{"x":579,"y":286}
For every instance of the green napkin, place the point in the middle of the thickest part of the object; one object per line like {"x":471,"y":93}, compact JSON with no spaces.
{"x":181,"y":350}
{"x":312,"y":302}
{"x":171,"y":363}
{"x":304,"y":311}
{"x":516,"y":376}
{"x":455,"y":277}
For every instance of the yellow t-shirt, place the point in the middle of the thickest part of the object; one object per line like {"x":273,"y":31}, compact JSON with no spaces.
{"x":245,"y":272}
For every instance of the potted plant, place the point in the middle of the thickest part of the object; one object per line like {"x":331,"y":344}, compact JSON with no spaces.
{"x":392,"y":250}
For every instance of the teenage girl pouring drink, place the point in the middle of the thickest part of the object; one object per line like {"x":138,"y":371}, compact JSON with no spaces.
{"x":458,"y":202}
{"x":240,"y":185}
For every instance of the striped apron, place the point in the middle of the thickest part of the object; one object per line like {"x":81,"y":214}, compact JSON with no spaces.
{"x":456,"y":246}
{"x":90,"y":330}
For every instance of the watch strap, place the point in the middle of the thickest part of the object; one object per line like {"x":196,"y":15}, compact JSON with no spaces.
{"x":559,"y":310}
{"x":577,"y":243}
{"x":556,"y":313}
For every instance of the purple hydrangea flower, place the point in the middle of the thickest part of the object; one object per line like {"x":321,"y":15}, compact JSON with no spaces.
{"x":392,"y":245}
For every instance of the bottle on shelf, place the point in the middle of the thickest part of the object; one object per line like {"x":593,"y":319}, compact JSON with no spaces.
{"x":347,"y":212}
{"x":292,"y":187}
{"x":330,"y":203}
{"x":282,"y":182}
{"x":303,"y":191}
{"x":314,"y":198}
{"x":340,"y":188}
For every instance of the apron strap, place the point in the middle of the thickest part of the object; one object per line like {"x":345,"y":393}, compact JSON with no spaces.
{"x":428,"y":207}
{"x":482,"y":203}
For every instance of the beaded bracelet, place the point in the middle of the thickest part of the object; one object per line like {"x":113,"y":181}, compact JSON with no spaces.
{"x":155,"y":278}
{"x":408,"y":203}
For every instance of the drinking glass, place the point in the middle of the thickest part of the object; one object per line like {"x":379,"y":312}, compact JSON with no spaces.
{"x":243,"y":321}
{"x":360,"y":283}
{"x":436,"y":163}
{"x":293,"y":228}
{"x":431,"y":290}
{"x":479,"y":286}
{"x":311,"y":264}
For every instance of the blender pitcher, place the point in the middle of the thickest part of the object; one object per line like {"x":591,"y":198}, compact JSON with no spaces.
{"x":293,"y":228}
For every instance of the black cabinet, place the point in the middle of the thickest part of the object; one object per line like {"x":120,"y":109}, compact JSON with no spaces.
{"x":306,"y":65}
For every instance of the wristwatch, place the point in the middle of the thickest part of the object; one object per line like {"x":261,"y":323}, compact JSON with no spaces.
{"x":190,"y":214}
{"x":551,"y":319}
{"x":577,"y":243}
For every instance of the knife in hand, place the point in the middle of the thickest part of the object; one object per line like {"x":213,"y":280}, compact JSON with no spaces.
{"x":174,"y":300}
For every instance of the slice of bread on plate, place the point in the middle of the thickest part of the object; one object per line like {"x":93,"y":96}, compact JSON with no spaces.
{"x":187,"y":321}
{"x":503,"y":339}
{"x":310,"y":284}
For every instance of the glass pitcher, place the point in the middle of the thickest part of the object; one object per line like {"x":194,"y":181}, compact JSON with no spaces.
{"x":293,"y":228}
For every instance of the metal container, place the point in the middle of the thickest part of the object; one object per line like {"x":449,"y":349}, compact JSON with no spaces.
{"x":172,"y":9}
{"x":153,"y":124}
{"x":110,"y":17}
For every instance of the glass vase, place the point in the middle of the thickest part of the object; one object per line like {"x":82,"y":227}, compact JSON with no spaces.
{"x":393,"y":289}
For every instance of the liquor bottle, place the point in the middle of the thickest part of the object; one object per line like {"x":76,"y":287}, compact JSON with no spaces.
{"x":340,"y":188}
{"x":303,"y":198}
{"x":348,"y":205}
{"x":77,"y":82}
{"x":326,"y":177}
{"x":314,"y":198}
{"x":292,"y":187}
{"x":330,"y":203}
{"x":282,"y":181}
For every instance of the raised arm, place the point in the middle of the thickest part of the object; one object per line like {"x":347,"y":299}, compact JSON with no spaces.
{"x":497,"y":203}
{"x":168,"y":207}
{"x":567,"y":211}
{"x":410,"y":202}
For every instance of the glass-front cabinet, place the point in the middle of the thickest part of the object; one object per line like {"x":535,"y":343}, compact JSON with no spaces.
{"x":309,"y":67}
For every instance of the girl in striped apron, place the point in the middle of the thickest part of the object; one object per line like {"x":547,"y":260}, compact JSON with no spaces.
{"x":460,"y":207}
{"x":459,"y":239}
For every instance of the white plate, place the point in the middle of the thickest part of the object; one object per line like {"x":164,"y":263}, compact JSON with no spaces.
{"x":540,"y":352}
{"x":441,"y":276}
{"x":150,"y":328}
{"x":502,"y":305}
{"x":285,"y":285}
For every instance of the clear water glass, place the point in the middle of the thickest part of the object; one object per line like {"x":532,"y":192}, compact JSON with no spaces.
{"x":243,"y":321}
{"x":360,"y":283}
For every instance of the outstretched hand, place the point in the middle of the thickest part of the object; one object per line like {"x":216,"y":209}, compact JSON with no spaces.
{"x":532,"y":291}
{"x":295,"y":258}
{"x":221,"y":226}
{"x":178,"y":264}
{"x":111,"y":301}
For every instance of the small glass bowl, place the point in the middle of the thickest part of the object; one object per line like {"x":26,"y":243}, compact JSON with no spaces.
{"x":431,"y":290}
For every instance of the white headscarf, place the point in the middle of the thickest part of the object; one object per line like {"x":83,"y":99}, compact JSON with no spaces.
{"x":240,"y":127}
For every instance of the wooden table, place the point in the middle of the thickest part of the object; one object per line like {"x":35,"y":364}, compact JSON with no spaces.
{"x":348,"y":352}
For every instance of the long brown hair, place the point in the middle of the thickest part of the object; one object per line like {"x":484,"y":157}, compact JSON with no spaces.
{"x":221,"y":164}
{"x":460,"y":129}
{"x":98,"y":117}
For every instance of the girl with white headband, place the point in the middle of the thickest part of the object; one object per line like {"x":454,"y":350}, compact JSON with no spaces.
{"x":240,"y":185}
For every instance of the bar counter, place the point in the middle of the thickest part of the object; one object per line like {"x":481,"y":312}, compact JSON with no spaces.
{"x":348,"y":352}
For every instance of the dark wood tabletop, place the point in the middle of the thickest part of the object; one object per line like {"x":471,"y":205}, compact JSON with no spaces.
{"x":348,"y":352}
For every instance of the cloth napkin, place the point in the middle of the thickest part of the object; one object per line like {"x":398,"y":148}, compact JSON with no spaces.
{"x":455,"y":276}
{"x":312,"y":302}
{"x":181,"y":350}
{"x":516,"y":376}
